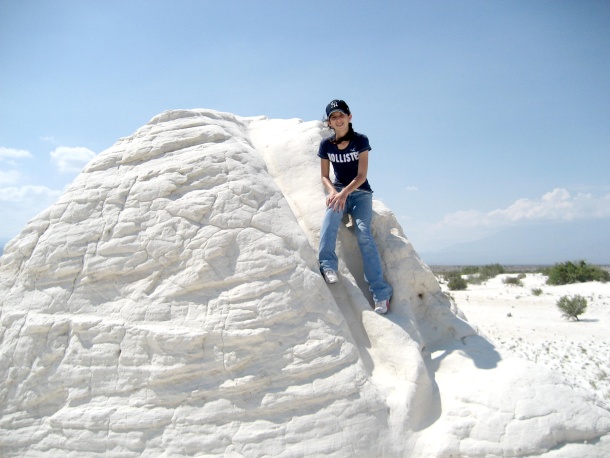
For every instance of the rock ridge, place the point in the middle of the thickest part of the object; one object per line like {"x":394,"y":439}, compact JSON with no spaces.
{"x":170,"y":304}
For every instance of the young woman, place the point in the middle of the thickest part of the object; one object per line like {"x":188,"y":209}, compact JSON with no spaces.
{"x":348,"y":151}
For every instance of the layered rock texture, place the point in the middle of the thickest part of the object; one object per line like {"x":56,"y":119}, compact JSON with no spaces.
{"x":170,"y":304}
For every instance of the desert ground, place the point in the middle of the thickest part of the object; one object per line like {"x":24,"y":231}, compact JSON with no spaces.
{"x":520,"y":323}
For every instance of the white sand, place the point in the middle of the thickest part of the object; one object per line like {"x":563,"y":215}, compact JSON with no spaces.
{"x":532,"y":327}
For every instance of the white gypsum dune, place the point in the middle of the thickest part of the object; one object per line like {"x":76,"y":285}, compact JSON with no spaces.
{"x":170,"y":304}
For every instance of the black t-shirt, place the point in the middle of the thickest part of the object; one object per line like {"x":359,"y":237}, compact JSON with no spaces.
{"x":345,"y":162}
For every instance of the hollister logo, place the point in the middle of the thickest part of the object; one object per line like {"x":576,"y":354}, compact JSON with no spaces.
{"x":344,"y":157}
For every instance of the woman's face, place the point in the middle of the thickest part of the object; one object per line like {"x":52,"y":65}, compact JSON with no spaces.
{"x":339,"y":121}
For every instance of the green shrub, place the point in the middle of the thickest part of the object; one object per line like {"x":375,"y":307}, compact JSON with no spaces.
{"x":491,"y":271}
{"x":572,"y":306}
{"x":536,"y":291}
{"x":569,"y":272}
{"x":455,"y":282}
{"x":513,"y":281}
{"x":479,"y":274}
{"x":475,"y":279}
{"x":470,"y":270}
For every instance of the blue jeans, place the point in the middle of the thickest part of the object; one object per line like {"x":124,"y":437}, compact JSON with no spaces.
{"x":360,"y":205}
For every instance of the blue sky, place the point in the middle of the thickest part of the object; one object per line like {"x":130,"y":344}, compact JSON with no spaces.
{"x":483,"y":115}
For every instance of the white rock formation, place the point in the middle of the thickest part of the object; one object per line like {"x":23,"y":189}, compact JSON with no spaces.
{"x":170,"y":304}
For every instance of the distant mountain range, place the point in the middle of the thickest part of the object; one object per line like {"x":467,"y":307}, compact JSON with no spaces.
{"x":540,"y":244}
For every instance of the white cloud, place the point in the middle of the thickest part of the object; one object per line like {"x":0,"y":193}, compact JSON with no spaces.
{"x":10,"y":177}
{"x":558,"y":206}
{"x":12,"y":153}
{"x":27,"y":194}
{"x":18,"y":205}
{"x":71,"y":159}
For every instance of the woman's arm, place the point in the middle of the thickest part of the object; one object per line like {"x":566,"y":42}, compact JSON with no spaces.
{"x":325,"y":175}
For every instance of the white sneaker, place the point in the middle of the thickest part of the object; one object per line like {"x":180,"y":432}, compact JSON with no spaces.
{"x":382,"y":307}
{"x":330,"y":276}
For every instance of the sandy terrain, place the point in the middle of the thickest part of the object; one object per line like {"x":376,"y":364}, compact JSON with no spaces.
{"x":532,"y":327}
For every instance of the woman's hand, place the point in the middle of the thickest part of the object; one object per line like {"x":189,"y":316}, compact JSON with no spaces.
{"x":336,"y":200}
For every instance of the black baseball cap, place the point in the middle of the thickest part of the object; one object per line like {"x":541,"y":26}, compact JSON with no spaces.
{"x":337,"y":105}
